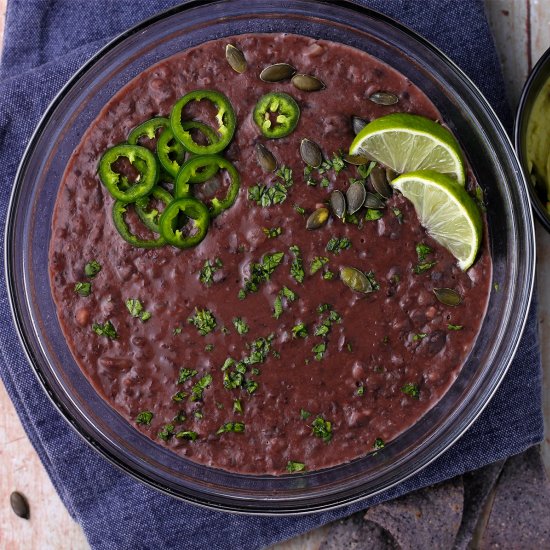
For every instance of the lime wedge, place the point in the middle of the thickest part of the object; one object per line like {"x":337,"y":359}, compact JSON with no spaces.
{"x":446,"y":210}
{"x":406,"y":143}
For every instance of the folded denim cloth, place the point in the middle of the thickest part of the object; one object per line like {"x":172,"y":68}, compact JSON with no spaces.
{"x":45,"y":42}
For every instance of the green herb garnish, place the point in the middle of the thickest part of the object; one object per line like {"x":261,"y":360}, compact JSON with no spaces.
{"x":84,"y":289}
{"x":166,"y":432}
{"x":422,"y":250}
{"x":200,"y":386}
{"x":240,"y":325}
{"x":236,"y":427}
{"x":261,"y":272}
{"x":454,"y":327}
{"x":209,"y":269}
{"x":322,"y":428}
{"x":295,"y":466}
{"x":373,"y":215}
{"x":237,"y":406}
{"x":422,"y":268}
{"x":299,"y":209}
{"x":398,"y":214}
{"x":272,"y":232}
{"x":296,"y":268}
{"x":203,"y":320}
{"x":411,"y":389}
{"x":299,"y":331}
{"x":176,"y":331}
{"x":190,"y":436}
{"x":179,"y":396}
{"x":91,"y":269}
{"x":304,"y":415}
{"x":378,"y":444}
{"x":186,"y":374}
{"x":328,"y":275}
{"x":360,"y":390}
{"x":419,"y":336}
{"x":337,"y":244}
{"x":106,"y":329}
{"x":319,"y":350}
{"x":285,"y":293}
{"x":135,"y":308}
{"x":268,"y":195}
{"x":317,"y":263}
{"x":144,"y":417}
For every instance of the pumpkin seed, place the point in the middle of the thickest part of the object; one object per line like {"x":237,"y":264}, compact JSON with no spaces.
{"x":355,"y":197}
{"x":338,"y":203}
{"x":379,"y":182}
{"x":235,"y":58}
{"x":19,"y":505}
{"x":277,"y":72}
{"x":311,"y":153}
{"x":374,"y":201}
{"x":390,"y":175}
{"x":307,"y":83}
{"x":448,"y":296}
{"x":355,"y":279}
{"x":357,"y":124}
{"x":266,"y":160}
{"x":318,"y":218}
{"x":384,"y":98}
{"x":356,"y":160}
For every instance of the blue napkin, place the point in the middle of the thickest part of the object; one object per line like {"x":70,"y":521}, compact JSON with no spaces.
{"x":45,"y":42}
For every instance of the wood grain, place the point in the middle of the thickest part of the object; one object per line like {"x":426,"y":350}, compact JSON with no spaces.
{"x":522,"y":33}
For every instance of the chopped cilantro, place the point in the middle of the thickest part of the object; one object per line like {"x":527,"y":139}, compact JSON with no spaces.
{"x":496,"y":286}
{"x":299,"y":209}
{"x":304,"y":415}
{"x":360,"y":390}
{"x":190,"y":436}
{"x":179,"y":396}
{"x":198,"y":414}
{"x":261,"y":272}
{"x":299,"y":331}
{"x":365,"y":170}
{"x":324,"y":328}
{"x":268,"y":195}
{"x":454,"y":327}
{"x":337,"y":164}
{"x":203,"y":320}
{"x":186,"y":374}
{"x":144,"y":417}
{"x":240,"y":325}
{"x":135,"y":307}
{"x":373,"y":215}
{"x":180,"y":417}
{"x":209,"y":269}
{"x":319,"y":350}
{"x":237,"y":406}
{"x":296,"y":268}
{"x":84,"y":289}
{"x":166,"y":432}
{"x":337,"y":244}
{"x":251,"y":386}
{"x":398,"y":214}
{"x":295,"y":466}
{"x":422,"y":268}
{"x":378,"y":444}
{"x":176,"y":330}
{"x":317,"y":263}
{"x":272,"y":232}
{"x":419,"y":336}
{"x":236,"y":427}
{"x":260,"y":349}
{"x":422,"y":250}
{"x":286,"y":293}
{"x":328,"y":275}
{"x":325,"y":182}
{"x":322,"y":428}
{"x":209,"y":347}
{"x":321,"y":308}
{"x":411,"y":389}
{"x":91,"y":269}
{"x":200,"y":386}
{"x":106,"y":329}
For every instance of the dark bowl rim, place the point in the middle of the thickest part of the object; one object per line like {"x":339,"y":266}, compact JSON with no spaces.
{"x":194,"y":498}
{"x":540,"y":210}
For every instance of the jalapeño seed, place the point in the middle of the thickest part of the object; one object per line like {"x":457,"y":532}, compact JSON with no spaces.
{"x":384,"y":98}
{"x":19,"y":505}
{"x":307,"y":83}
{"x":448,"y":296}
{"x":277,"y":72}
{"x":379,"y":182}
{"x":338,"y":203}
{"x":317,"y":219}
{"x":356,"y":160}
{"x":266,"y":160}
{"x":357,"y":124}
{"x":311,"y":153}
{"x":235,"y":58}
{"x":355,"y":279}
{"x":374,"y":201}
{"x":355,"y":197}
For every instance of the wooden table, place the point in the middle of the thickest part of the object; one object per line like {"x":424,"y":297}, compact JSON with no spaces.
{"x":522,"y":33}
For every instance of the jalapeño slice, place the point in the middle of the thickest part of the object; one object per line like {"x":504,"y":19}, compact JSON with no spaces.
{"x":276,"y":115}
{"x":170,"y":152}
{"x":151,"y":217}
{"x":148,"y":129}
{"x":196,"y":171}
{"x":225,"y":117}
{"x":118,"y":185}
{"x":191,"y":209}
{"x":119,"y":209}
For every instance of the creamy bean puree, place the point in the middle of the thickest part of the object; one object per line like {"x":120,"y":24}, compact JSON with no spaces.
{"x":302,"y":372}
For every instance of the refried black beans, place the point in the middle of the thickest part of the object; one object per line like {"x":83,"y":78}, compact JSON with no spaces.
{"x":303,"y":401}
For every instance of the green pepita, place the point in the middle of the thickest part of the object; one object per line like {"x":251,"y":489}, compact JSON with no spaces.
{"x":384,"y":98}
{"x":374,"y":201}
{"x":355,"y":197}
{"x":318,"y":218}
{"x":266,"y":160}
{"x":357,"y":124}
{"x":307,"y":83}
{"x":338,"y":203}
{"x":277,"y":72}
{"x":311,"y":153}
{"x":448,"y":296}
{"x":235,"y":58}
{"x":19,"y":505}
{"x":356,"y":280}
{"x":379,"y":182}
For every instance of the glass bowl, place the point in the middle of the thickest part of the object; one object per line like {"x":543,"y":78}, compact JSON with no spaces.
{"x":488,"y":151}
{"x":531,"y":89}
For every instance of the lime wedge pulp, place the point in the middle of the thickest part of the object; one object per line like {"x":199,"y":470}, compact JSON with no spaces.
{"x":406,"y":143}
{"x":446,"y":210}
